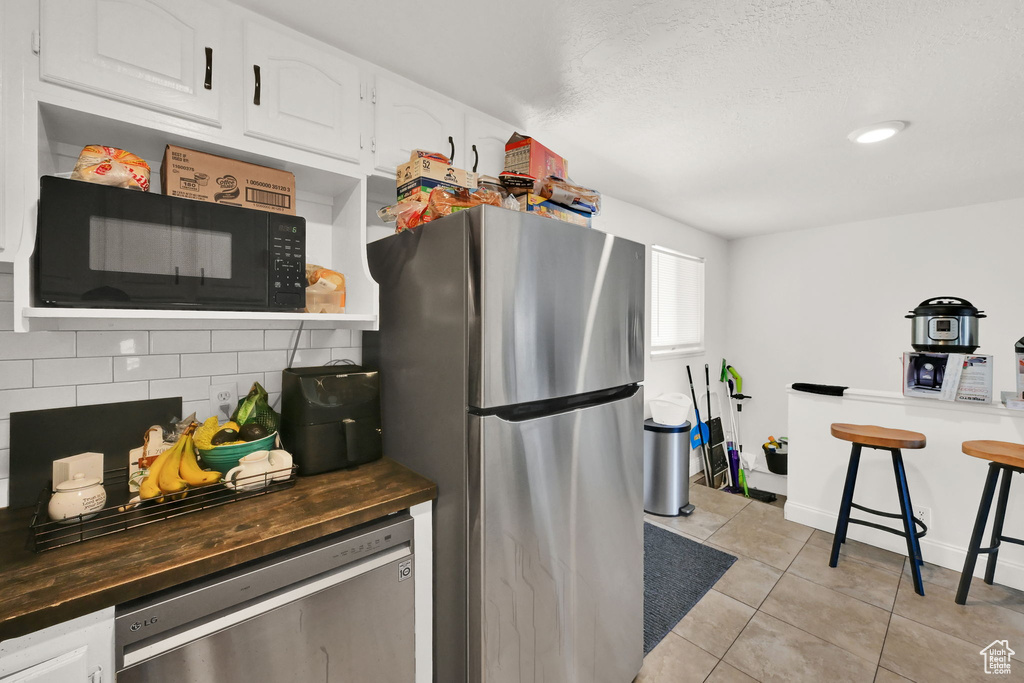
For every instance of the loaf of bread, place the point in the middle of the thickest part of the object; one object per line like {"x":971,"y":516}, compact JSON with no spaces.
{"x":315,"y":273}
{"x":111,"y":166}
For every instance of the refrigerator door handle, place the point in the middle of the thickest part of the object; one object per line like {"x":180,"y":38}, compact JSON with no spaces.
{"x":555,"y":406}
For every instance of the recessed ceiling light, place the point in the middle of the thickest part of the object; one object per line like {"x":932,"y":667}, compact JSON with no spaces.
{"x":877,"y":132}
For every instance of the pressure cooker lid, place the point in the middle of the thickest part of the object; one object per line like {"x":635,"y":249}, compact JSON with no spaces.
{"x":946,"y":305}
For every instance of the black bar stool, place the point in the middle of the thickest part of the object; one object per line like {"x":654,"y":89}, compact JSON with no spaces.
{"x":891,"y":440}
{"x":1006,"y":458}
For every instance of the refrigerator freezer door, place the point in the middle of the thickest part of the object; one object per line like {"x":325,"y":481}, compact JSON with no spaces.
{"x":556,"y":546}
{"x":555,"y":309}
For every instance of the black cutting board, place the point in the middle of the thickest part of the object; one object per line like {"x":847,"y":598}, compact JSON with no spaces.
{"x":38,"y":437}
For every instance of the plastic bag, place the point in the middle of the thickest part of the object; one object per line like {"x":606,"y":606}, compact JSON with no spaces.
{"x":572,"y":196}
{"x":255,"y":408}
{"x":111,"y":166}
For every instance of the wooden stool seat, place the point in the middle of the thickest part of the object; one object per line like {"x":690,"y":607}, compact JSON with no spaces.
{"x":1003,"y":452}
{"x":878,"y":437}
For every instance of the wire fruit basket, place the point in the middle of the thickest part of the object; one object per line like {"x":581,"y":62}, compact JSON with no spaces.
{"x":127,"y":512}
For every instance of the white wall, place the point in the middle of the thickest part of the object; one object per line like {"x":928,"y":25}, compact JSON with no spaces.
{"x":669,"y":374}
{"x":826,"y":305}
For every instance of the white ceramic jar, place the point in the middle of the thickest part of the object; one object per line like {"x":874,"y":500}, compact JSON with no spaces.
{"x":77,"y":496}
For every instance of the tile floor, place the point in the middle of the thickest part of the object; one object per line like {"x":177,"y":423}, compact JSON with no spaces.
{"x":781,"y":614}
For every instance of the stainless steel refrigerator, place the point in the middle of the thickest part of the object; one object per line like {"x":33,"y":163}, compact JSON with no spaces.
{"x":511,"y":352}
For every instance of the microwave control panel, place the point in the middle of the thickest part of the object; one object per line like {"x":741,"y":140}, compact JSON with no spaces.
{"x":288,"y":262}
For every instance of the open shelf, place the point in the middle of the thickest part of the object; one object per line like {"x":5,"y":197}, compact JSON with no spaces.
{"x":45,"y":313}
{"x":331,"y":197}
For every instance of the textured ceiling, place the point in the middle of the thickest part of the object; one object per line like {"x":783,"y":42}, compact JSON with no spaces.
{"x":729,"y":116}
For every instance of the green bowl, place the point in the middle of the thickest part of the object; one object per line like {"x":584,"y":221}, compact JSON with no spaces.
{"x":223,"y":458}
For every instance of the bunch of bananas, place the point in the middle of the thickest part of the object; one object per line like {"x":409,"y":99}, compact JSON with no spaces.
{"x":175,"y":470}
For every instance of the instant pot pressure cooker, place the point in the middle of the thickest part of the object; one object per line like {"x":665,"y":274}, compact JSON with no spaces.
{"x":946,"y":324}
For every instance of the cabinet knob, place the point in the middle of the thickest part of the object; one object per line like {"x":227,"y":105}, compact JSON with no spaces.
{"x":208,"y":83}
{"x":256,"y":88}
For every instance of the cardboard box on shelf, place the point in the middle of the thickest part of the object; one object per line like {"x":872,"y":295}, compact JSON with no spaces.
{"x":211,"y":178}
{"x":533,"y":203}
{"x":523,"y":154}
{"x":421,"y":175}
{"x":963,"y":377}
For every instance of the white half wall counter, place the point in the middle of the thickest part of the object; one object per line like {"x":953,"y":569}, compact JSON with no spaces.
{"x":940,"y":476}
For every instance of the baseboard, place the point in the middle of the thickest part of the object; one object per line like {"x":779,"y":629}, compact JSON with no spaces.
{"x":942,"y":554}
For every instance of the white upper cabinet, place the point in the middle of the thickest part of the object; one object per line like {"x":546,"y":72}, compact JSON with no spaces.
{"x":485,"y":144}
{"x":161,"y":55}
{"x":301,"y":93}
{"x":408,"y":118}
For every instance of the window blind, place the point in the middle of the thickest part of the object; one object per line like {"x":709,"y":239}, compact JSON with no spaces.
{"x":677,"y":301}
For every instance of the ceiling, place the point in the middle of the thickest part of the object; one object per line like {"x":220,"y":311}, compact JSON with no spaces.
{"x":728,"y":116}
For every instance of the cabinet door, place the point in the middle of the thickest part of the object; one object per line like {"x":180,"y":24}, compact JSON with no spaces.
{"x":69,"y":667}
{"x":159,"y":55}
{"x":409,"y":118}
{"x":300,"y":93}
{"x":489,"y":138}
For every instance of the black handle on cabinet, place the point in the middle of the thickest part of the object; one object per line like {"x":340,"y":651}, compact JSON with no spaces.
{"x":476,"y":158}
{"x":256,"y":89}
{"x":451,"y":141}
{"x":208,"y":83}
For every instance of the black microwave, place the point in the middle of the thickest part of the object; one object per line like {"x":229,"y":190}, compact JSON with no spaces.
{"x":108,"y":247}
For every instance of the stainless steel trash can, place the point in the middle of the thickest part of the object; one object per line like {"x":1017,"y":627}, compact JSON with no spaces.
{"x":667,"y":469}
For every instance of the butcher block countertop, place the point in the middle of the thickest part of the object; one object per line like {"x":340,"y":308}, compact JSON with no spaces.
{"x":43,"y":589}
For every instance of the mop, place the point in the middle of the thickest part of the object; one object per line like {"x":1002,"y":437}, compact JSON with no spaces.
{"x":743,"y":461}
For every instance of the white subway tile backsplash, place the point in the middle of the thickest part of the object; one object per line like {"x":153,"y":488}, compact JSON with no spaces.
{"x":272,"y":381}
{"x":24,"y":345}
{"x":284,"y":339}
{"x":117,"y":392}
{"x":113,"y":343}
{"x":190,"y":389}
{"x":196,"y":364}
{"x":15,"y":374}
{"x":18,"y":400}
{"x":5,"y":433}
{"x":132,"y":368}
{"x":325,"y":339}
{"x":237,"y":340}
{"x":242,"y":382}
{"x":6,"y":316}
{"x":262,"y":361}
{"x":60,"y":371}
{"x":4,"y":486}
{"x":5,"y":463}
{"x":354,"y":354}
{"x":307,"y":358}
{"x":200,"y":408}
{"x":179,"y":341}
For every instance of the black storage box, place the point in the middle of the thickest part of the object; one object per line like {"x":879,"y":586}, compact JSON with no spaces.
{"x":778,"y":462}
{"x":330,"y":417}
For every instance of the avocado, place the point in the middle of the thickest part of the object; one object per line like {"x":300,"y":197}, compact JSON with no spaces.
{"x":226,"y":435}
{"x":252,"y":432}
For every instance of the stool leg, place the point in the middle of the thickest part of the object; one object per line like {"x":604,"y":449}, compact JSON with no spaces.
{"x":907,"y":513}
{"x":997,"y":525}
{"x":979,"y":531}
{"x":843,"y":523}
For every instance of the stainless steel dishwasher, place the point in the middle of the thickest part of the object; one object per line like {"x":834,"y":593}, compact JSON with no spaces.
{"x":337,"y":609}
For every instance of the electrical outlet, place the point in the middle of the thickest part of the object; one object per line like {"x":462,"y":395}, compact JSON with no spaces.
{"x":223,"y":399}
{"x":924,"y":514}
